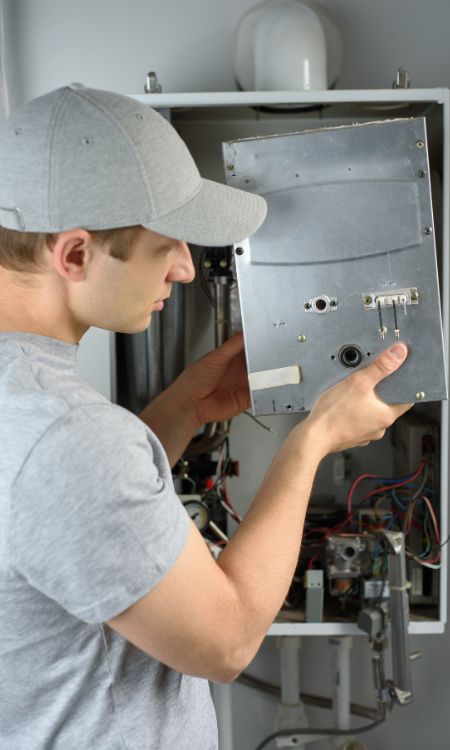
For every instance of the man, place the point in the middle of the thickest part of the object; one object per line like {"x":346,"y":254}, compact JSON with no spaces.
{"x":113,"y":614}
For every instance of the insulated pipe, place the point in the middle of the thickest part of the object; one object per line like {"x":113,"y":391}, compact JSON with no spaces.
{"x":340,"y":649}
{"x":289,"y":670}
{"x":221,"y":695}
{"x":291,"y":711}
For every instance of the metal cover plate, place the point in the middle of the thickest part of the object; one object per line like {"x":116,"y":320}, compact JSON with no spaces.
{"x":349,"y":215}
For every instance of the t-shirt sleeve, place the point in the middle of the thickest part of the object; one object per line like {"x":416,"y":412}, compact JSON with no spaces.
{"x":96,"y":523}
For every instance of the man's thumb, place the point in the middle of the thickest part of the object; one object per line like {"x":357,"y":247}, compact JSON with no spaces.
{"x":388,"y":361}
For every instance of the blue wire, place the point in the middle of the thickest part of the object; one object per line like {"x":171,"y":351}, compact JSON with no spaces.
{"x":397,"y":501}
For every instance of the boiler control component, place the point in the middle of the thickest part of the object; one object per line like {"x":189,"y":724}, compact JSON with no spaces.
{"x":198,"y":513}
{"x":344,"y":264}
{"x":346,"y":558}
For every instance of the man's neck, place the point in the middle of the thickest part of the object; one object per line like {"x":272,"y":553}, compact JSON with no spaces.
{"x":27,"y":306}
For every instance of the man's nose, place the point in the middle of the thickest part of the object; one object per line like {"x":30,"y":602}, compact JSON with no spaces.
{"x":183,"y":269}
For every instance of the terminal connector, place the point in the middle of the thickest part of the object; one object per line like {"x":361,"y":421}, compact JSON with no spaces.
{"x":380,"y":300}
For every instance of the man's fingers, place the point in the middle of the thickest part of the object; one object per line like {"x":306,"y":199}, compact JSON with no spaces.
{"x":231,"y":346}
{"x":386,"y":363}
{"x":235,"y":342}
{"x":400,"y":409}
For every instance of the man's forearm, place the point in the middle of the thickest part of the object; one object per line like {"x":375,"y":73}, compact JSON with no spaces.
{"x":174,"y":424}
{"x":261,"y":558}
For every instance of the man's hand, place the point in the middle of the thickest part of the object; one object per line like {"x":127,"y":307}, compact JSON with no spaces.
{"x":212,"y":389}
{"x":350,"y":413}
{"x":215,"y":386}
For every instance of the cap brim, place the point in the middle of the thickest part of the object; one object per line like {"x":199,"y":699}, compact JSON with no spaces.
{"x":218,"y":215}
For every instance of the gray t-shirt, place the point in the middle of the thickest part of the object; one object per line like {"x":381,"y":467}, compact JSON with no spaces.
{"x":89,"y":524}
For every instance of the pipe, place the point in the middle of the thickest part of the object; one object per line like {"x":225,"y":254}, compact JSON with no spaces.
{"x":289,"y":670}
{"x":214,"y":433}
{"x":221,"y":694}
{"x":309,"y":699}
{"x":172,"y":336}
{"x":340,"y":648}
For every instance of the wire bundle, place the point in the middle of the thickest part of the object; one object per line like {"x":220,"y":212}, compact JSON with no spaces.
{"x":402,"y":504}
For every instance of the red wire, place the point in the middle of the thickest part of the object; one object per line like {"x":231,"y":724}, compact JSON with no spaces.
{"x":380,"y":489}
{"x":350,"y":512}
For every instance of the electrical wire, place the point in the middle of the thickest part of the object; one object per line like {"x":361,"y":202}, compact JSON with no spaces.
{"x":390,"y":485}
{"x":395,"y":483}
{"x":261,"y":424}
{"x":219,"y":488}
{"x":324,"y":731}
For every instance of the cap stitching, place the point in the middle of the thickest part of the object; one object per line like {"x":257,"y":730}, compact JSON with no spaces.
{"x":56,"y":115}
{"x":129,"y":140}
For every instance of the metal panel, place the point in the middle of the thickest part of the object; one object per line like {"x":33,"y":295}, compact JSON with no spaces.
{"x":344,"y":264}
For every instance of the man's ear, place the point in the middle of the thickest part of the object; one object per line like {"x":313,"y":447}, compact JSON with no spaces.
{"x":72,"y":253}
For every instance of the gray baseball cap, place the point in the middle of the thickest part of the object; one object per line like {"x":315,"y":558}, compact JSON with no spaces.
{"x":81,"y":157}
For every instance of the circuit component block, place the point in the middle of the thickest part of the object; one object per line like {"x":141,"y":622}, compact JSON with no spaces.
{"x":314,"y":595}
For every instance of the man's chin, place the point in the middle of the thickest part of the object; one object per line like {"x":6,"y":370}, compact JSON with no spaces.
{"x":138,"y":327}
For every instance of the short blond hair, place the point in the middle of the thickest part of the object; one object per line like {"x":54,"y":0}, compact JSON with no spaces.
{"x":22,"y":251}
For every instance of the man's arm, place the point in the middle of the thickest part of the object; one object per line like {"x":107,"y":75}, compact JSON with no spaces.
{"x":213,"y":389}
{"x":208,"y":618}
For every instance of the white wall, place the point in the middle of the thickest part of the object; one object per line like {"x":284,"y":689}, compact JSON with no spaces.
{"x":112,"y":44}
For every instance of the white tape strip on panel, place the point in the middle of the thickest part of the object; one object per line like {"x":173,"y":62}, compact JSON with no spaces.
{"x":273,"y":378}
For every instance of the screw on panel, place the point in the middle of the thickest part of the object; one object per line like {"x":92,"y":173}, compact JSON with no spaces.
{"x":239,"y":251}
{"x":420,"y":396}
{"x":420,"y":144}
{"x":428,"y":230}
{"x":421,"y":173}
{"x":307,"y":305}
{"x":301,"y":338}
{"x":207,"y":264}
{"x":368,"y":300}
{"x":414,"y":296}
{"x":230,"y":167}
{"x":333,"y":303}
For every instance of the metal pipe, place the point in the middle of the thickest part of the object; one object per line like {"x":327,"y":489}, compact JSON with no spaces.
{"x":214,"y":433}
{"x":172,"y":336}
{"x":399,"y":616}
{"x":222,"y":305}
